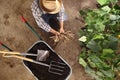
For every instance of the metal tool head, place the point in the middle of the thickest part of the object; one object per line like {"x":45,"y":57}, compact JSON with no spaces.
{"x":42,"y":55}
{"x":57,"y":68}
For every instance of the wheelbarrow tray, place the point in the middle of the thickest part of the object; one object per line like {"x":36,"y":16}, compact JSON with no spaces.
{"x":41,"y":72}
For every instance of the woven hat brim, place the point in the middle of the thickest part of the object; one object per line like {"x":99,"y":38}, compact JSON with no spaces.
{"x":51,"y":11}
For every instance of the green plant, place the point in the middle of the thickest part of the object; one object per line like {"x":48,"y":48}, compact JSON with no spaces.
{"x":99,"y":40}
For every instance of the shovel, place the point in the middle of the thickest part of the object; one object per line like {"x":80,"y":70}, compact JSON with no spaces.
{"x":40,"y":56}
{"x":54,"y":67}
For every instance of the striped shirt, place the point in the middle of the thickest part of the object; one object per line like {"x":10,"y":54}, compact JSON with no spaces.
{"x":38,"y":12}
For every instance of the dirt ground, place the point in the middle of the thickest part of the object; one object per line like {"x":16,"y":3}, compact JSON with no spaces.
{"x":18,"y":37}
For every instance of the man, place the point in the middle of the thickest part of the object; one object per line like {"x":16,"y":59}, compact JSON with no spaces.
{"x":44,"y":10}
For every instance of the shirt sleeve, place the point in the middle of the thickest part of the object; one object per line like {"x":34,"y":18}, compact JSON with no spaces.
{"x":62,"y":15}
{"x":37,"y":12}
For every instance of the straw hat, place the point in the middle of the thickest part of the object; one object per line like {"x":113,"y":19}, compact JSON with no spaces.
{"x":51,"y":6}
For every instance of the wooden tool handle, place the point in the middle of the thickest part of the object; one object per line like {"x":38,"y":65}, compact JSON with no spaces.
{"x":19,"y":57}
{"x":6,"y":52}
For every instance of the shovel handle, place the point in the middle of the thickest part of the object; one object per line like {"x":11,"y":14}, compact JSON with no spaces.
{"x":6,"y":52}
{"x":30,"y":27}
{"x":13,"y":54}
{"x":23,"y":19}
{"x":3,"y":45}
{"x":24,"y":58}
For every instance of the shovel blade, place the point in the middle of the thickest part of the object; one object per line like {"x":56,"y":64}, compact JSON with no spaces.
{"x":42,"y":55}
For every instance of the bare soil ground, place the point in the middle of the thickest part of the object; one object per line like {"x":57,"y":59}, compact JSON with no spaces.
{"x":18,"y":37}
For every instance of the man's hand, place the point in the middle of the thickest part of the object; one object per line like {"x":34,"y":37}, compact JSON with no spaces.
{"x":62,"y":30}
{"x":57,"y":33}
{"x":54,"y":32}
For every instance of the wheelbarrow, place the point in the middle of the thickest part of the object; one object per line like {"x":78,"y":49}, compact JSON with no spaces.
{"x":50,"y":65}
{"x":42,"y":72}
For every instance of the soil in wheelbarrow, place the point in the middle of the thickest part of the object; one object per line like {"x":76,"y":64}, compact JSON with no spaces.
{"x":17,"y":36}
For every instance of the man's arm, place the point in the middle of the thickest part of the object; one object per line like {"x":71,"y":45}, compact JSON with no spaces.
{"x":61,"y":27}
{"x":62,"y":18}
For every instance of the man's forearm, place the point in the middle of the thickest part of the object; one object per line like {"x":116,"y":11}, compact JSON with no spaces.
{"x":61,"y":24}
{"x":54,"y":32}
{"x":61,"y":27}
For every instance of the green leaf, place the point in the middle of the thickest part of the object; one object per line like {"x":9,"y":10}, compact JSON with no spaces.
{"x":98,"y":36}
{"x":114,"y":1}
{"x":91,"y":72}
{"x":112,"y":38}
{"x":92,"y":64}
{"x":113,"y":42}
{"x":113,"y":17}
{"x":106,"y":8}
{"x":118,"y":63}
{"x":108,"y":74}
{"x":106,"y":51}
{"x":102,"y":2}
{"x":98,"y":62}
{"x":100,"y":26}
{"x":90,"y":30}
{"x":108,"y":54}
{"x":93,"y":46}
{"x":83,"y":53}
{"x":82,"y":62}
{"x":117,"y":69}
{"x":83,"y":39}
{"x":100,"y":74}
{"x":105,"y":44}
{"x":82,"y":33}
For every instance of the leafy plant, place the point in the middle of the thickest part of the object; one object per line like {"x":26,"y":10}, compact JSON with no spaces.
{"x":99,"y":40}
